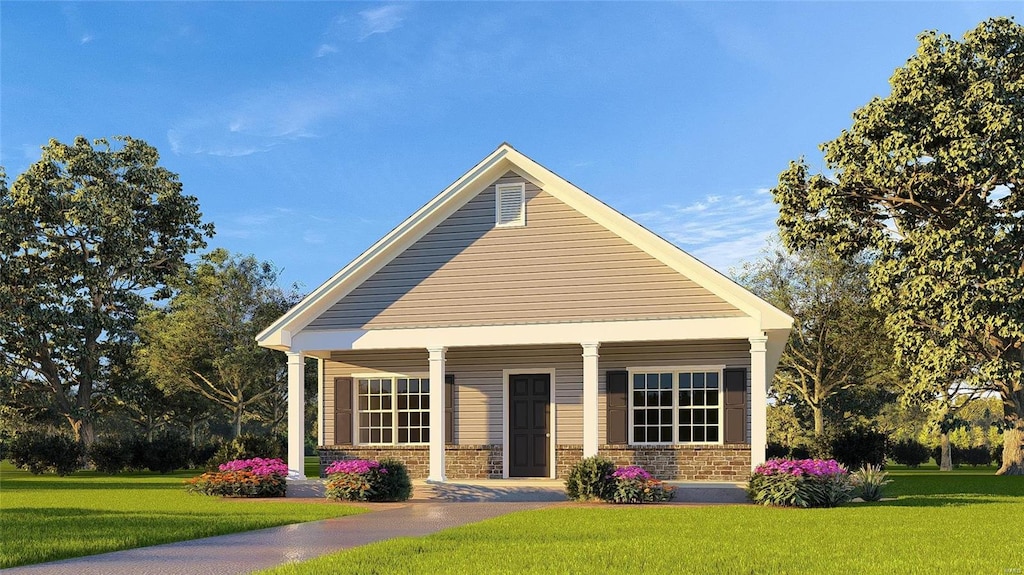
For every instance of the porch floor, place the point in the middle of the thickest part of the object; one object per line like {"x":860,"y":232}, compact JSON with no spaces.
{"x":532,"y":490}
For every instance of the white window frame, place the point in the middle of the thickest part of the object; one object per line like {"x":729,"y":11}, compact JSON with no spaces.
{"x":675,"y":371}
{"x":394,"y":377}
{"x":520,"y":188}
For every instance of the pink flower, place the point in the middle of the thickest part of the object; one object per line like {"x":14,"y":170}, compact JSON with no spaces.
{"x":257,"y":465}
{"x":358,"y":466}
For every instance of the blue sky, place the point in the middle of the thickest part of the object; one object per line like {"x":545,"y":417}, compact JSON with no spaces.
{"x":309,"y":130}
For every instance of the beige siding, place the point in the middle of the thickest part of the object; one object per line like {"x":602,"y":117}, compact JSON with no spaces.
{"x":561,"y":267}
{"x":479,"y":379}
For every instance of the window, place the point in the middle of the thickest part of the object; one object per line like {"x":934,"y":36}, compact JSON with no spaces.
{"x":676,"y":406}
{"x":394,"y":410}
{"x":510,"y":205}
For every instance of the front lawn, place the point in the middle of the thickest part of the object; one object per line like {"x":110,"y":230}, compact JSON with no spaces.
{"x":967,"y":521}
{"x":43,"y":518}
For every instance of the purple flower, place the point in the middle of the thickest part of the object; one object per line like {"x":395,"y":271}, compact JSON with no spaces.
{"x":801,"y":467}
{"x":358,"y":466}
{"x":257,"y":465}
{"x":631,"y":472}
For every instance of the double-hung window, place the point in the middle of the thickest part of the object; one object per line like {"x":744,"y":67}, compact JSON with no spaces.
{"x":393,"y":410}
{"x":679,"y":405}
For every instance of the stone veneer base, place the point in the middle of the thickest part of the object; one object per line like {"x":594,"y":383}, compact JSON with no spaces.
{"x":668,"y":462}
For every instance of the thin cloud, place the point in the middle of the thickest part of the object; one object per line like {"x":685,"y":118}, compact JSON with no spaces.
{"x":272,"y":222}
{"x":325,"y":49}
{"x":720,"y":230}
{"x":86,"y":38}
{"x":381,"y":20}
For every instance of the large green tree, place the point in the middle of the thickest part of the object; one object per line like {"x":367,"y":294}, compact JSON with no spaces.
{"x":86,"y":234}
{"x":204,"y":340}
{"x":836,"y":345}
{"x":928,"y":179}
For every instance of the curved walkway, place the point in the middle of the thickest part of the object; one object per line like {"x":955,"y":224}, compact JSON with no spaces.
{"x":252,"y":550}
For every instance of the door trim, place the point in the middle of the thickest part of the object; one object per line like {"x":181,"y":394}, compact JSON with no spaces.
{"x":505,"y":374}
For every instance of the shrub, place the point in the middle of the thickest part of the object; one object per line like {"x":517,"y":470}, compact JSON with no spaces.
{"x":868,"y":482}
{"x":909,"y":452}
{"x":243,"y":478}
{"x":997,"y":454}
{"x":40,"y":453}
{"x":975,"y":456}
{"x":590,"y":479}
{"x":200,"y":455}
{"x":367,"y":480}
{"x":853,"y":447}
{"x":164,"y":453}
{"x":800,"y":483}
{"x":112,"y":454}
{"x":955,"y":455}
{"x":247,"y":446}
{"x":633,"y":484}
{"x":776,"y":450}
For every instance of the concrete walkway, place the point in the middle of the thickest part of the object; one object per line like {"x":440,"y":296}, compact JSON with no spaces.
{"x":246,"y":552}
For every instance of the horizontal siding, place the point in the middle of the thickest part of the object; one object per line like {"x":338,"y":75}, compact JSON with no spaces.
{"x":561,"y":267}
{"x":479,"y":381}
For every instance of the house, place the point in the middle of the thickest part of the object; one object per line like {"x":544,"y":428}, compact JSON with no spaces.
{"x":515,"y":324}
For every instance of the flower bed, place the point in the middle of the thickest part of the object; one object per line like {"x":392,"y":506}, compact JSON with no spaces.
{"x":598,"y":478}
{"x":257,"y":477}
{"x":800,"y":483}
{"x":368,"y":480}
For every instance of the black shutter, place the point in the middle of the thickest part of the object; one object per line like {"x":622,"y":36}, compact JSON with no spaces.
{"x":616,"y":417}
{"x":343,"y":411}
{"x":449,"y":408}
{"x":736,"y":405}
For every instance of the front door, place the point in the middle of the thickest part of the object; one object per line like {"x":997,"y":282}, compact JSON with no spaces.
{"x":529,"y":419}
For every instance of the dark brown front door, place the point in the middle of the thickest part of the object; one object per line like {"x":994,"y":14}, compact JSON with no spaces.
{"x":529,"y":407}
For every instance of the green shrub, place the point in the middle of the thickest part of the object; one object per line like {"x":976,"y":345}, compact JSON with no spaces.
{"x":955,"y":455}
{"x":997,"y":455}
{"x":200,"y":455}
{"x":247,"y":446}
{"x":366,"y":480}
{"x":40,"y":453}
{"x":975,"y":456}
{"x":243,"y":478}
{"x":590,"y":479}
{"x":164,"y":453}
{"x":853,"y":447}
{"x":112,"y":454}
{"x":868,"y":482}
{"x":800,"y":483}
{"x":909,"y":452}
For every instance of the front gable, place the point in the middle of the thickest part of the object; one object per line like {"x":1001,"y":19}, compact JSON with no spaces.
{"x":561,"y":266}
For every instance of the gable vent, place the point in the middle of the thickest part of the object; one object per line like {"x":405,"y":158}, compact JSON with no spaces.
{"x":510,"y":205}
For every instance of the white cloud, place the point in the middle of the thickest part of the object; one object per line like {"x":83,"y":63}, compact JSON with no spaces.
{"x":381,"y":20}
{"x":720,"y":230}
{"x":325,"y":49}
{"x":273,"y":222}
{"x":86,"y":38}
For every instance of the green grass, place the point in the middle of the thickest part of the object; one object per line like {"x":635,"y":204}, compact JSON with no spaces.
{"x":43,"y":518}
{"x":967,"y":521}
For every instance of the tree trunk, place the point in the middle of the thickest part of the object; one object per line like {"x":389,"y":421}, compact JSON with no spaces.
{"x":819,"y":420}
{"x":238,"y":420}
{"x":947,"y":459}
{"x":1013,"y":448}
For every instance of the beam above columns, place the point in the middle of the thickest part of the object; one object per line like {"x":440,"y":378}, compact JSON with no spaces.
{"x":437,"y":432}
{"x":296,"y":415}
{"x":590,"y":370}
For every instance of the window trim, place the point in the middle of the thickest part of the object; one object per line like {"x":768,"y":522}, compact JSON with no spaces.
{"x":675,"y":370}
{"x":519,"y":187}
{"x":394,"y":402}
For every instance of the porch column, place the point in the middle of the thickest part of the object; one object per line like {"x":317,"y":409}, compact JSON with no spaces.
{"x":436,"y":414}
{"x":758,"y":400}
{"x":296,"y":415}
{"x":590,"y":439}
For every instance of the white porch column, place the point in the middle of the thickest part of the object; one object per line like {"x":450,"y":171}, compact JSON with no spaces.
{"x":436,"y":414}
{"x":590,"y":439}
{"x":296,"y":415}
{"x":758,"y":400}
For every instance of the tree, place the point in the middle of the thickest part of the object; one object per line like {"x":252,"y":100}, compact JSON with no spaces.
{"x":85,"y":232}
{"x":205,"y":338}
{"x":835,"y":345}
{"x":928,"y":179}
